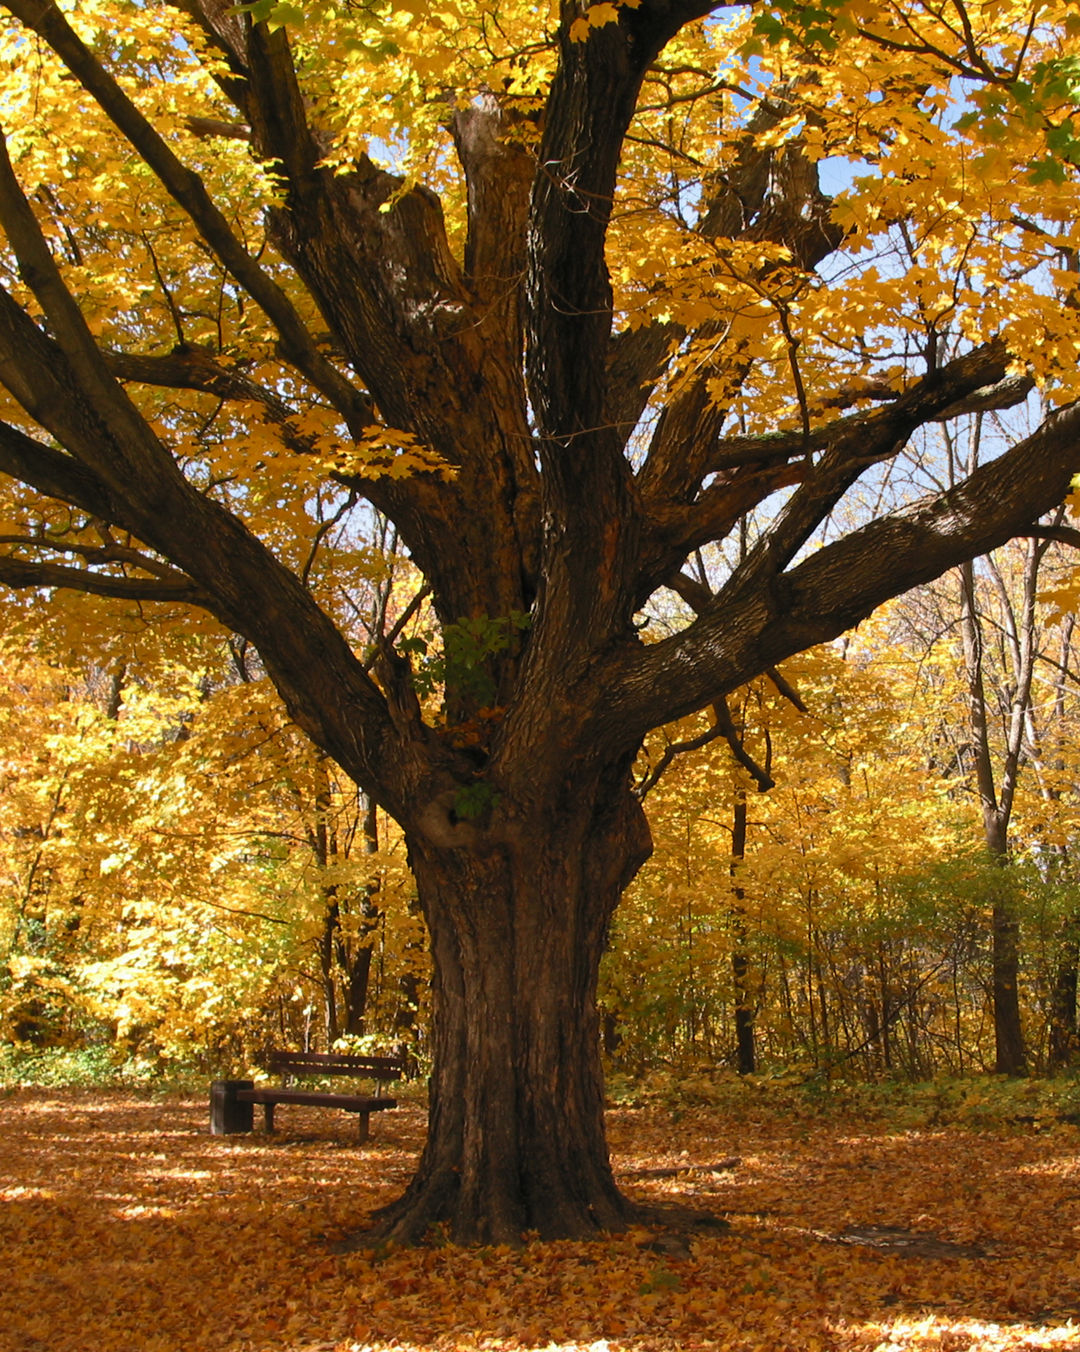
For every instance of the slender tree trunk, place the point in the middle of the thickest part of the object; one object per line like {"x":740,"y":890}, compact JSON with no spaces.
{"x":884,"y":974}
{"x":354,"y":961}
{"x":331,"y":1029}
{"x":1010,"y":1057}
{"x":357,"y":983}
{"x":516,"y":1135}
{"x":323,"y":841}
{"x":745,"y":1057}
{"x":958,"y":1026}
{"x":1063,"y":1040}
{"x":1064,"y":1037}
{"x":409,"y":998}
{"x":872,"y":1025}
{"x":745,"y":1052}
{"x":823,"y":1001}
{"x":792,"y":1035}
{"x":115,"y":698}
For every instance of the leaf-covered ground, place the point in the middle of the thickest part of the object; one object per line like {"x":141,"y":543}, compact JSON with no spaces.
{"x":126,"y":1226}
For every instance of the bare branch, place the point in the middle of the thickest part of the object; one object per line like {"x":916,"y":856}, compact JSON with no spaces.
{"x":195,"y":368}
{"x":786,"y":689}
{"x":748,"y":468}
{"x":1066,"y":535}
{"x":672,"y":750}
{"x":1005,"y":393}
{"x":737,"y":747}
{"x":109,"y":552}
{"x":212,"y":126}
{"x":696,"y":595}
{"x":385,"y":642}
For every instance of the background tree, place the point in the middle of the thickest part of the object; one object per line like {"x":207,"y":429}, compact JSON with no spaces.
{"x":166,"y":895}
{"x":562,"y":297}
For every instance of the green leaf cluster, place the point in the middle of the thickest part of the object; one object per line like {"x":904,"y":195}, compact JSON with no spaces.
{"x":814,"y":25}
{"x":467,"y":646}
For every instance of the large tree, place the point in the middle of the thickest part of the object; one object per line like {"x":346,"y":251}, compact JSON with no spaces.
{"x":558,"y":292}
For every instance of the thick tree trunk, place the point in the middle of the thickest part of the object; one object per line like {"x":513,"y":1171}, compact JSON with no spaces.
{"x":516,"y":1140}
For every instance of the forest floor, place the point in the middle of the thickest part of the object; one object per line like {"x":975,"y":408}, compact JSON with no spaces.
{"x":126,"y":1227}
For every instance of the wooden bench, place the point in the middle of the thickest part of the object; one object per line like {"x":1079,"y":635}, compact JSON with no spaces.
{"x":232,"y":1101}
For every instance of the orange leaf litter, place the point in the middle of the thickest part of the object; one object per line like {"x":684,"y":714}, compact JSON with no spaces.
{"x":126,"y":1227}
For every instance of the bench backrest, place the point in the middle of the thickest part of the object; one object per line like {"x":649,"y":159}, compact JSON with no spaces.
{"x":335,"y":1063}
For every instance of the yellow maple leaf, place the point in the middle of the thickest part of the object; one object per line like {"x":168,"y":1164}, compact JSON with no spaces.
{"x":595,"y":17}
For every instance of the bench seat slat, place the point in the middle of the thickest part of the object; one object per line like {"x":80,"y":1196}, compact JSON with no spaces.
{"x":353,"y":1103}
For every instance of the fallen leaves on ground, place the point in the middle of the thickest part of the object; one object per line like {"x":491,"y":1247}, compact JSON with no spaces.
{"x":125,"y":1227}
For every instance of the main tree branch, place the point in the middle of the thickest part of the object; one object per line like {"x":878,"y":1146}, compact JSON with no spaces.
{"x":825,"y":465}
{"x":589,"y":502}
{"x":745,"y":630}
{"x":50,"y":471}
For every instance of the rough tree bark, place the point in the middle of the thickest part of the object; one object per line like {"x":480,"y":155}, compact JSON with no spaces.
{"x":516,"y":1140}
{"x":518,"y":811}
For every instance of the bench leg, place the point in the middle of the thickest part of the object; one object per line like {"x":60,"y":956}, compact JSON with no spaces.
{"x":362,"y":1124}
{"x":268,"y":1118}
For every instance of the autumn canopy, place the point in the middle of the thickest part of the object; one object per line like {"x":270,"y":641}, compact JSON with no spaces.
{"x":571,"y":295}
